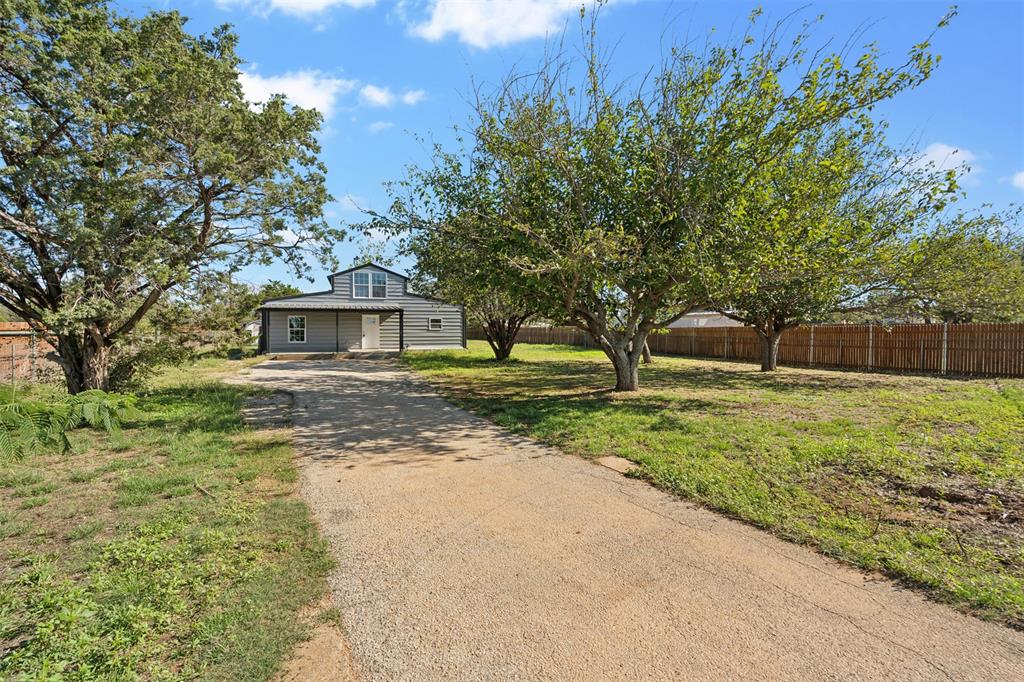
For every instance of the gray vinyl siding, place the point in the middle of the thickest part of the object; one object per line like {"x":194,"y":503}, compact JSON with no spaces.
{"x":319,"y":332}
{"x":350,"y":330}
{"x":343,"y":286}
{"x":418,"y":334}
{"x":323,"y":335}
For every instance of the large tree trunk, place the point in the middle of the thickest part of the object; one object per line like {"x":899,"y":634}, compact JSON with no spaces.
{"x":769,"y":348}
{"x":627,"y":371}
{"x":501,"y":335}
{"x":625,"y":355}
{"x":624,"y":349}
{"x":86,"y":363}
{"x":647,"y":354}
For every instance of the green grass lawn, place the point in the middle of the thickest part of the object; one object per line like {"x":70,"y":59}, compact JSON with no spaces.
{"x":176,"y":549}
{"x":921,"y":478}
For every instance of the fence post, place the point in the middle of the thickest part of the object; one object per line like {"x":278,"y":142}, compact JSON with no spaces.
{"x":922,"y":353}
{"x":32,"y":357}
{"x":810,"y":356}
{"x":841,"y":352}
{"x":945,"y":347}
{"x":871,"y":345}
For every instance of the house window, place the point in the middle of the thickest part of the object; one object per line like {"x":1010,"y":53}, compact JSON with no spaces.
{"x":434,"y":324}
{"x":380,"y":284}
{"x":369,"y":285}
{"x":296,"y":329}
{"x":361,"y":284}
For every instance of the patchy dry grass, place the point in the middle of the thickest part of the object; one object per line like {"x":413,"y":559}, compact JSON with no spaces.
{"x":173,"y":550}
{"x":922,"y":478}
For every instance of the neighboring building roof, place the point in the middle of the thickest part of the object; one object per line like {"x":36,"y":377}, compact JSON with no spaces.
{"x":704,"y":318}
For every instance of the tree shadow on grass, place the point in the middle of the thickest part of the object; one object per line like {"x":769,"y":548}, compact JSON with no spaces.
{"x":587,"y":372}
{"x":553,"y":410}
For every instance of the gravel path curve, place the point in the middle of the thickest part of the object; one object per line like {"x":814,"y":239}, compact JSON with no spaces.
{"x":465,"y":552}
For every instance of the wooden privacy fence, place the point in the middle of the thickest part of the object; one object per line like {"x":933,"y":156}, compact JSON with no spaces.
{"x":966,"y":349}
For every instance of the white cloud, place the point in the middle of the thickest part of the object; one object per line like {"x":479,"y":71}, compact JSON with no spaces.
{"x":413,"y":96}
{"x":379,"y":126}
{"x":943,"y":157}
{"x":299,"y":8}
{"x":308,"y":89}
{"x":289,"y":237}
{"x":487,"y":23}
{"x":1018,"y":180}
{"x":377,"y":97}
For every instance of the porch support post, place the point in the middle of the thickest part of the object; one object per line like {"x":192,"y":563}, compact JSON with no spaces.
{"x":401,"y":330}
{"x":264,"y":342}
{"x":337,"y":338}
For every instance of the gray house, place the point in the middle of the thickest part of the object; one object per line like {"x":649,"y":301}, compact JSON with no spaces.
{"x":367,"y":308}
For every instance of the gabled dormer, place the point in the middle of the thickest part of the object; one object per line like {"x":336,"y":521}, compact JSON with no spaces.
{"x":368,"y":282}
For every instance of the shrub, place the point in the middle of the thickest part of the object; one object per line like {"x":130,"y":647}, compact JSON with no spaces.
{"x":29,"y":424}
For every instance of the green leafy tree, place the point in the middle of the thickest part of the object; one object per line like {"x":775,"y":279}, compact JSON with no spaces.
{"x":447,"y":219}
{"x":452,"y":270}
{"x":827,"y":221}
{"x":223,"y":306}
{"x":616,"y":202}
{"x":272,"y":289}
{"x":372,"y":250}
{"x":132,"y":162}
{"x":970,"y":269}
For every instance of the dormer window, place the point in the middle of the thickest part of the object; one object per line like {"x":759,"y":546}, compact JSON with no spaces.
{"x":369,"y":285}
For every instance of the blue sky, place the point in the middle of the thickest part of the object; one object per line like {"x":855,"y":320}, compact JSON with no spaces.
{"x":389,"y":74}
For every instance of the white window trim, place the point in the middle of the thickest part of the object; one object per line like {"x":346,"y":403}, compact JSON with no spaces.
{"x":288,"y":328}
{"x":430,"y":325}
{"x":369,"y":284}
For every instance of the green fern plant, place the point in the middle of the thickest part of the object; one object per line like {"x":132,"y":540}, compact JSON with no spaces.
{"x":30,"y":425}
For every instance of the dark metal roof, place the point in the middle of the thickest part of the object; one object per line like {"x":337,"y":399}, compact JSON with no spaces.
{"x":298,"y":304}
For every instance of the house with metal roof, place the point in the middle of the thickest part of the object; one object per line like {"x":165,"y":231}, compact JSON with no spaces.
{"x":367,"y":308}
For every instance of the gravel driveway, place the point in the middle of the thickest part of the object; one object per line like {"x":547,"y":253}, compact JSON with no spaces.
{"x":465,"y":552}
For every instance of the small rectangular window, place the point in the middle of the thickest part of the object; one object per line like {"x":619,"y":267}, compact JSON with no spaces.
{"x":361,"y":285}
{"x":380,"y":285}
{"x":434,"y":324}
{"x":296,"y":329}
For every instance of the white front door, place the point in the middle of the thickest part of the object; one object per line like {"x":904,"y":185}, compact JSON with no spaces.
{"x":371,"y":332}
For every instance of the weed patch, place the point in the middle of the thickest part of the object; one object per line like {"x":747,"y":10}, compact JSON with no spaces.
{"x":175,"y":549}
